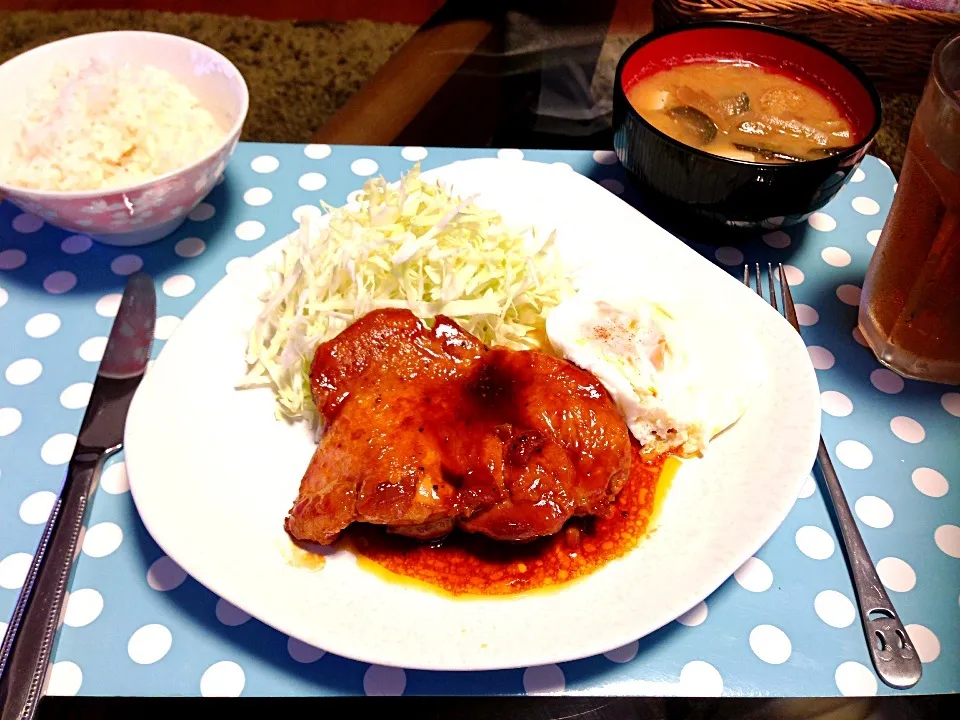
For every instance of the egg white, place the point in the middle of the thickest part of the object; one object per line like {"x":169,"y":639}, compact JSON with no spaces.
{"x":679,"y":373}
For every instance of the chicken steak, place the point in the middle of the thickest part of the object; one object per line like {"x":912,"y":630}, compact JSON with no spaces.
{"x":428,"y":429}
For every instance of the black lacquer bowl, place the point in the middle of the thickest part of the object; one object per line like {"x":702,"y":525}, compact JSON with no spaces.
{"x":698,"y":190}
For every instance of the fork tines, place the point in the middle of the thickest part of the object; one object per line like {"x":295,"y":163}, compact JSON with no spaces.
{"x":788,"y":308}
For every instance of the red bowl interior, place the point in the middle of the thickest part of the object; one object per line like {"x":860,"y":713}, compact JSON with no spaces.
{"x":766,"y":49}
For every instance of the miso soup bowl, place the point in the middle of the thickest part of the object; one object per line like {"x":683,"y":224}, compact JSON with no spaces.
{"x":698,"y":190}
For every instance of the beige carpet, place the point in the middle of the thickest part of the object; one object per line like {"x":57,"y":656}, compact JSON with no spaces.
{"x":299,"y":75}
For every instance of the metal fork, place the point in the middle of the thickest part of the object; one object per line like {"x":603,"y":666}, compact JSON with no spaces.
{"x":893,"y":654}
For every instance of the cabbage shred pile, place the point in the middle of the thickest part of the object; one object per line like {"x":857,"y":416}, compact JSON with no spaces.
{"x":415,"y":245}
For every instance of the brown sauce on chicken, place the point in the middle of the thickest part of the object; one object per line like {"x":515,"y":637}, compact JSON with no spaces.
{"x":472,"y":564}
{"x":428,"y":430}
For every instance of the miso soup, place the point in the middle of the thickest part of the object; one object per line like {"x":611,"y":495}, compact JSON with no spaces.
{"x":743,"y":111}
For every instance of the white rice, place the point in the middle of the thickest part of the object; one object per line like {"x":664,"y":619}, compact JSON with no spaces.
{"x":102,"y":126}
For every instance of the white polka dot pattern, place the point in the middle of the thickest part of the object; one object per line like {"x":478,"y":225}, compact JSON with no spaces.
{"x":65,"y":679}
{"x":59,"y":282}
{"x":700,"y":679}
{"x":896,"y":574}
{"x":102,"y":539}
{"x":264,"y":164}
{"x":930,"y":482}
{"x":92,"y":349}
{"x":835,"y":403}
{"x":814,"y":542}
{"x":58,"y":449}
{"x":951,"y":403}
{"x":83,"y":607}
{"x":13,"y":570}
{"x":164,"y":575}
{"x":126,"y":264}
{"x":777,"y":239}
{"x":76,"y":396}
{"x":849,"y":294}
{"x":754,"y":575}
{"x":542,"y":680}
{"x":806,"y":315}
{"x":820,"y":357}
{"x":202,"y":212}
{"x":822,"y":222}
{"x":510,"y":154}
{"x":854,"y":679}
{"x":114,"y":480}
{"x":384,"y":681}
{"x":413,"y":154}
{"x":695,"y":615}
{"x":76,"y":244}
{"x":729,"y":256}
{"x":230,"y":615}
{"x":42,"y":325}
{"x":250,"y":230}
{"x":108,"y":305}
{"x":10,"y":419}
{"x":947,"y":538}
{"x":797,"y":595}
{"x":364,"y":167}
{"x":303,"y":653}
{"x":865,"y":205}
{"x":926,"y":643}
{"x":834,"y":608}
{"x":312,"y":181}
{"x":26,"y":223}
{"x":770,"y":644}
{"x":178,"y":286}
{"x":794,"y":275}
{"x":605,"y":157}
{"x":35,"y":509}
{"x":886,"y":381}
{"x":907,"y":429}
{"x":23,"y":371}
{"x":257,"y":197}
{"x":614,"y":186}
{"x":317,"y":152}
{"x":854,"y":454}
{"x":223,"y":679}
{"x":873,"y":511}
{"x":837,"y":257}
{"x":625,"y":653}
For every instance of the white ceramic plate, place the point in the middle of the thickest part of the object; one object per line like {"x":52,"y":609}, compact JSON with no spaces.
{"x":213,"y":474}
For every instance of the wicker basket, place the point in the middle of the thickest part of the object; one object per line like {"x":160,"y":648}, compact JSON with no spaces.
{"x":893,"y":45}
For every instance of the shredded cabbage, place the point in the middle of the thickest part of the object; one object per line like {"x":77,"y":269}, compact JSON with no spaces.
{"x":413,"y":245}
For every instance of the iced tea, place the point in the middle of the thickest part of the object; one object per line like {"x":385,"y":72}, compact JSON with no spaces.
{"x":910,"y":307}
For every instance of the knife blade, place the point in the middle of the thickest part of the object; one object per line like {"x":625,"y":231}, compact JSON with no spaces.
{"x":29,"y":641}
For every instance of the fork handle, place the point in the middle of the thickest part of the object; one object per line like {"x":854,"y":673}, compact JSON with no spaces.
{"x":893,"y":654}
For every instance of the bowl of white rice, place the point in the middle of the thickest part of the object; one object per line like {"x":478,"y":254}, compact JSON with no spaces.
{"x":117,"y":135}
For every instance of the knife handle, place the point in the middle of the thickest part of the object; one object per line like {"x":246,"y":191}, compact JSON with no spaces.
{"x":28,"y":645}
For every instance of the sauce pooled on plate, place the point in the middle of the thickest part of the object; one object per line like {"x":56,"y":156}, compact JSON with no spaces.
{"x":472,"y":564}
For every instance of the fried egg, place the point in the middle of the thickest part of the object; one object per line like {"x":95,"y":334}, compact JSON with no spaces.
{"x":679,"y":374}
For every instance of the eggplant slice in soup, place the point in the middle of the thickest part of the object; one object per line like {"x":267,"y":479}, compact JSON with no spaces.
{"x":744,"y":112}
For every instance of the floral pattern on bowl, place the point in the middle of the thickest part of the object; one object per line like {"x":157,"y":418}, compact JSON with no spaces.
{"x":147,"y":211}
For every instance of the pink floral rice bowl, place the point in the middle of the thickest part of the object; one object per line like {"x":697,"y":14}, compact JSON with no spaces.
{"x":146,"y":211}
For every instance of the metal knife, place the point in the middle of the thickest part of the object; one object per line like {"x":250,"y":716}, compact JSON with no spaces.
{"x":28,"y":645}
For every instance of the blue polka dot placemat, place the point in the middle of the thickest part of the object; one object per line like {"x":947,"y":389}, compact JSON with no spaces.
{"x":785,"y":624}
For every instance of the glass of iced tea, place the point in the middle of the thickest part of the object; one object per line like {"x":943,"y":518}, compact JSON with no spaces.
{"x":910,"y":305}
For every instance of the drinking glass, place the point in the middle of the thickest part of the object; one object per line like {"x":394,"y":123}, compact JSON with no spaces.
{"x":910,"y":305}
